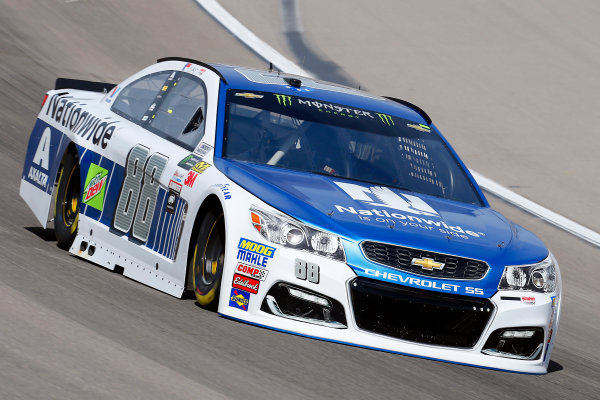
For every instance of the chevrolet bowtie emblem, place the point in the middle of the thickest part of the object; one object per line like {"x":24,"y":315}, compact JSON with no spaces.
{"x":427,"y":263}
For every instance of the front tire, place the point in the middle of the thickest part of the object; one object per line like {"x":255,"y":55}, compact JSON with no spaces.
{"x":66,"y":207}
{"x":207,"y":260}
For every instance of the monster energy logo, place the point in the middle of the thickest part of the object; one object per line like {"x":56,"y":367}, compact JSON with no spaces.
{"x":386,"y":119}
{"x":284,"y":100}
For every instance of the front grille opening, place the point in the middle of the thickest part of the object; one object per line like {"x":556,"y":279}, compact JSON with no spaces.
{"x":520,"y":343}
{"x":401,"y":258}
{"x":300,"y":304}
{"x":419,"y":315}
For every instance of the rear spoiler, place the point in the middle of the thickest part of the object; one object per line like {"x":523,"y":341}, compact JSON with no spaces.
{"x":78,"y":84}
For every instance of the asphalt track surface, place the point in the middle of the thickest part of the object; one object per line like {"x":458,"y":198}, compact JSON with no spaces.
{"x":513,"y":89}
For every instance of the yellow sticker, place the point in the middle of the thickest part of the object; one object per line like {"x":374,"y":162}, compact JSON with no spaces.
{"x":250,"y":95}
{"x":164,"y":89}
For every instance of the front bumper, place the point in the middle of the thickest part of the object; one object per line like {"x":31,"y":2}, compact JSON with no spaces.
{"x":504,"y":309}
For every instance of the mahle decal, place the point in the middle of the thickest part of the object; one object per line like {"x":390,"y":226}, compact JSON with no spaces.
{"x":284,"y":100}
{"x":386,"y":119}
{"x":95,"y":186}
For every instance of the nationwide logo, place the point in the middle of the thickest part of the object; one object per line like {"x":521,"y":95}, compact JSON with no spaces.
{"x":252,"y":272}
{"x":245,"y":283}
{"x":386,"y":119}
{"x":427,"y":263}
{"x":239,"y":299}
{"x":95,"y":186}
{"x":284,"y":100}
{"x":382,"y":196}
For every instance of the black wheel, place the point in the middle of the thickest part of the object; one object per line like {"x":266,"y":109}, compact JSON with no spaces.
{"x":66,"y":207}
{"x":207,"y":260}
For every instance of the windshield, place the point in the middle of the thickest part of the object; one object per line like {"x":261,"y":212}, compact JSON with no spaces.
{"x":342,"y":141}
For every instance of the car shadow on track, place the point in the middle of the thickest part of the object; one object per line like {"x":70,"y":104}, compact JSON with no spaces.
{"x":553,"y":366}
{"x":46,"y":234}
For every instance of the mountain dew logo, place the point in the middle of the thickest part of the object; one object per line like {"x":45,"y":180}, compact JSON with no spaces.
{"x":386,"y":119}
{"x":284,"y":100}
{"x":95,"y":185}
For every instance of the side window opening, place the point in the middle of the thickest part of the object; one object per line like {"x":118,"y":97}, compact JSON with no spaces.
{"x":179,"y":117}
{"x":170,"y":104}
{"x":135,"y":99}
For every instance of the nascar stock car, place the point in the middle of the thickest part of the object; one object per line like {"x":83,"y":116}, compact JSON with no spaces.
{"x":293,"y":204}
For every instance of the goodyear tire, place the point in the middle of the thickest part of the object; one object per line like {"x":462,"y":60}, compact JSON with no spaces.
{"x":207,"y":260}
{"x":66,"y":207}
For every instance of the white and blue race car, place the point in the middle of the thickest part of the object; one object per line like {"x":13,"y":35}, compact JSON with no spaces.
{"x":293,"y":204}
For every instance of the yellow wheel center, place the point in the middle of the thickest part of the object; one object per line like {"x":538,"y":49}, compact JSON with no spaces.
{"x":74,"y":204}
{"x":214,"y":267}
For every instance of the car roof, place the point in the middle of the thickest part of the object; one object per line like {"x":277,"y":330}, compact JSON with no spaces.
{"x":270,"y":81}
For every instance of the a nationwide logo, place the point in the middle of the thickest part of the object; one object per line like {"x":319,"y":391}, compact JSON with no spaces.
{"x":381,"y":196}
{"x":284,"y":100}
{"x":245,"y":283}
{"x":95,"y":186}
{"x":239,"y":299}
{"x":386,"y":119}
{"x":252,"y":272}
{"x":427,"y":263}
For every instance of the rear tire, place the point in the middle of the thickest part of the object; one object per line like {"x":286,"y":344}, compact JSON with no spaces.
{"x":207,"y":260}
{"x":66,"y":206}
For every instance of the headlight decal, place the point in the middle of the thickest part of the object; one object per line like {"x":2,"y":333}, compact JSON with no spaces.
{"x":540,"y":277}
{"x":283,"y":230}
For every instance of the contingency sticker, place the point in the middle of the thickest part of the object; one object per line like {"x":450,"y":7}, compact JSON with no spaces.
{"x":239,"y":299}
{"x":95,"y":185}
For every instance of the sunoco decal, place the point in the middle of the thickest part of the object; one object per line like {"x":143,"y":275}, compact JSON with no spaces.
{"x":239,"y":299}
{"x":95,"y":186}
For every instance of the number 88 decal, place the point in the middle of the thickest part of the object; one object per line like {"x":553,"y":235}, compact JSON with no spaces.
{"x":139,"y":192}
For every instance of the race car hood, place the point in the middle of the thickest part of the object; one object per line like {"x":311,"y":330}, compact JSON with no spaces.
{"x":360,"y":211}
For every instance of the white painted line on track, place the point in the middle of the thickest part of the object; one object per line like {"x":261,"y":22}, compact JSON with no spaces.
{"x":270,"y":54}
{"x":250,"y":39}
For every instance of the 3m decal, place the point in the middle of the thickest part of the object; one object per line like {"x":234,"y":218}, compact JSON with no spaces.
{"x":95,"y":186}
{"x":70,"y":115}
{"x":239,"y":299}
{"x":386,"y":119}
{"x":201,"y":167}
{"x":245,"y":283}
{"x":190,"y":179}
{"x":139,"y":192}
{"x":254,"y":253}
{"x":252,"y":272}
